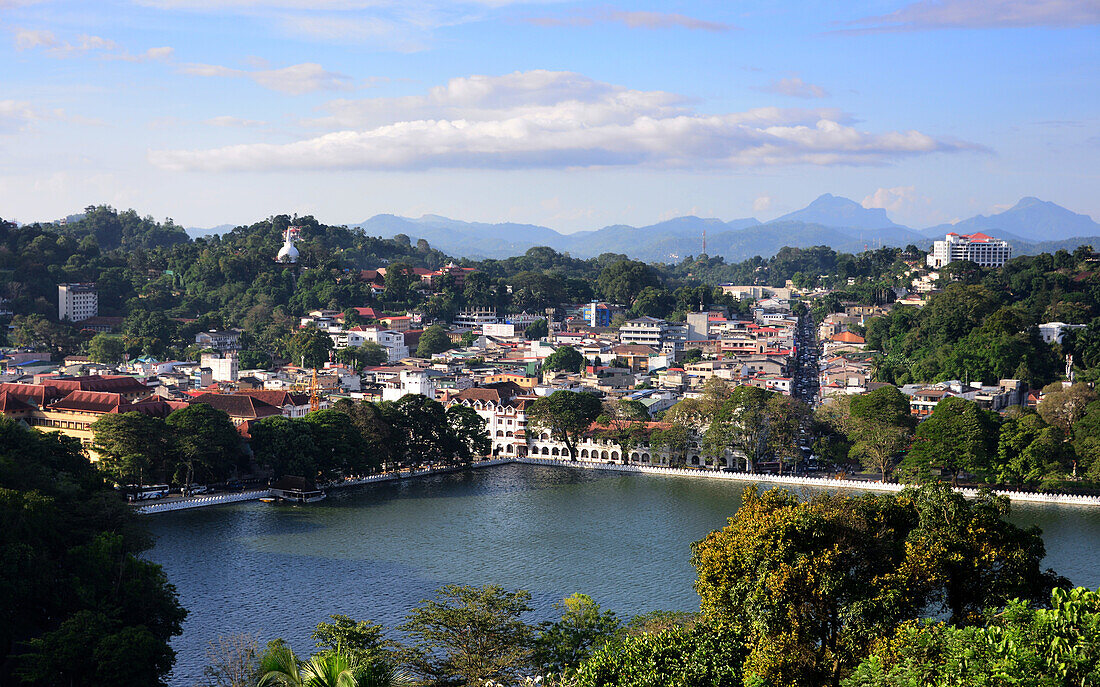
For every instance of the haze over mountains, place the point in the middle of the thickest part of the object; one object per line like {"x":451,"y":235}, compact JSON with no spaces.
{"x":1032,"y":226}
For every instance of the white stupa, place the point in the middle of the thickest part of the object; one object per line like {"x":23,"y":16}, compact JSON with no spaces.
{"x":288,"y":254}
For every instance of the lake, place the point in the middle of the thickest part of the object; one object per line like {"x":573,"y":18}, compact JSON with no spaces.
{"x":374,"y":551}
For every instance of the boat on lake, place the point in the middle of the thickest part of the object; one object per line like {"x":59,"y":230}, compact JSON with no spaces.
{"x":296,"y":490}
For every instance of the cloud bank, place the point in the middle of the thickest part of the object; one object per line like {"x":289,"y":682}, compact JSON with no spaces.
{"x":795,"y":87}
{"x":105,"y":48}
{"x":543,"y":119}
{"x":297,"y":79}
{"x":984,"y":14}
{"x":633,"y":20}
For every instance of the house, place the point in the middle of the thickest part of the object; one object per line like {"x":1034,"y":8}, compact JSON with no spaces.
{"x":239,"y":407}
{"x":219,"y":340}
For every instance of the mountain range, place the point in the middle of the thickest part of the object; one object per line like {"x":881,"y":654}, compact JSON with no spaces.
{"x":1031,"y":226}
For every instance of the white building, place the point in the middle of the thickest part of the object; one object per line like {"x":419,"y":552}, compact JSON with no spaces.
{"x":648,"y":331}
{"x":980,"y":248}
{"x":409,"y":382}
{"x":475,"y":318}
{"x":77,"y":302}
{"x":1052,"y":332}
{"x":223,"y":368}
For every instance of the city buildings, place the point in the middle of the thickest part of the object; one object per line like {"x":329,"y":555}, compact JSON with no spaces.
{"x":980,"y":248}
{"x":77,"y":302}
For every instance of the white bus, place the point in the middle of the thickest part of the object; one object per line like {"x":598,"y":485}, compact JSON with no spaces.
{"x":138,"y":492}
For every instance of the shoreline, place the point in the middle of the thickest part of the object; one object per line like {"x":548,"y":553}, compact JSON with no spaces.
{"x":1059,"y":499}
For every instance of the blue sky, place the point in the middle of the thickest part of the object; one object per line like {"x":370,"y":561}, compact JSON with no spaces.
{"x":569,"y":114}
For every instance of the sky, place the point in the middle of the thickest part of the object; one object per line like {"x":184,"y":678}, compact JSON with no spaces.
{"x":573,"y":115}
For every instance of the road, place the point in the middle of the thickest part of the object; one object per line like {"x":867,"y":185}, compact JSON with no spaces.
{"x":805,"y":378}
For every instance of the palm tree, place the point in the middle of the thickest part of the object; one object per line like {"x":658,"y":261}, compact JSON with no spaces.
{"x":279,"y":667}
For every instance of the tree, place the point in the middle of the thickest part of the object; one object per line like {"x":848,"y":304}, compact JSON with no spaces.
{"x":362,"y":641}
{"x":1055,"y":647}
{"x":106,"y":349}
{"x":231,"y":661}
{"x":691,"y":355}
{"x":80,"y":606}
{"x":206,"y":443}
{"x":959,"y":436}
{"x":536,"y":330}
{"x":704,"y":654}
{"x":566,"y":414}
{"x":879,"y":425}
{"x":1086,"y":442}
{"x":280,"y":667}
{"x":399,"y":278}
{"x":285,"y":447}
{"x":622,"y":421}
{"x":674,"y":440}
{"x":374,"y":429}
{"x":338,"y":444}
{"x":469,"y":635}
{"x":622,"y":281}
{"x":1030,"y":452}
{"x":132,"y":446}
{"x":1062,"y":407}
{"x":369,"y":354}
{"x":564,"y":644}
{"x":815,"y":582}
{"x":433,"y":340}
{"x":310,"y":347}
{"x":468,"y":429}
{"x":564,"y":359}
{"x":755,"y":422}
{"x":420,"y":432}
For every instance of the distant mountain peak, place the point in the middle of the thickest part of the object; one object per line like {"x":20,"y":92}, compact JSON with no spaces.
{"x":837,"y":211}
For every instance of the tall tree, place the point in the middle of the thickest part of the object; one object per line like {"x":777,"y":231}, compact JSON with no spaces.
{"x":563,"y":644}
{"x":106,"y":349}
{"x":206,"y":443}
{"x":310,"y":347}
{"x":566,"y":415}
{"x":959,"y":436}
{"x":133,"y":447}
{"x":471,"y":439}
{"x":79,"y":606}
{"x":433,"y":340}
{"x":469,"y":636}
{"x":564,"y":359}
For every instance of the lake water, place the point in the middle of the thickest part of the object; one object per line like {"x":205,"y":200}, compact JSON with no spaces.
{"x":372,"y":552}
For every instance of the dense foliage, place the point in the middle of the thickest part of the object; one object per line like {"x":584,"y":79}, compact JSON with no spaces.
{"x":79,"y":606}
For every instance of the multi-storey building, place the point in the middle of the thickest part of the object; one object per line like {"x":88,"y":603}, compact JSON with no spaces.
{"x":980,"y":248}
{"x":223,"y":367}
{"x":228,"y":340}
{"x":77,"y":302}
{"x":648,"y":331}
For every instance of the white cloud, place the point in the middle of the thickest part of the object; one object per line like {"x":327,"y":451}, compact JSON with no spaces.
{"x":296,"y":79}
{"x":229,"y":121}
{"x":633,"y":20}
{"x":794,"y":86}
{"x":547,"y":119}
{"x":762,"y":203}
{"x":20,"y":115}
{"x":896,"y":199}
{"x":17,"y":115}
{"x":105,"y":48}
{"x":234,"y":121}
{"x":984,"y":14}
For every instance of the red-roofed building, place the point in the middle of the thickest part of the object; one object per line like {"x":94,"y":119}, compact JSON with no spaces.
{"x":981,"y":248}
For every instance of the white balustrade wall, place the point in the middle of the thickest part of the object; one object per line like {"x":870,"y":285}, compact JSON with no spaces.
{"x":818,"y":482}
{"x":256,"y":494}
